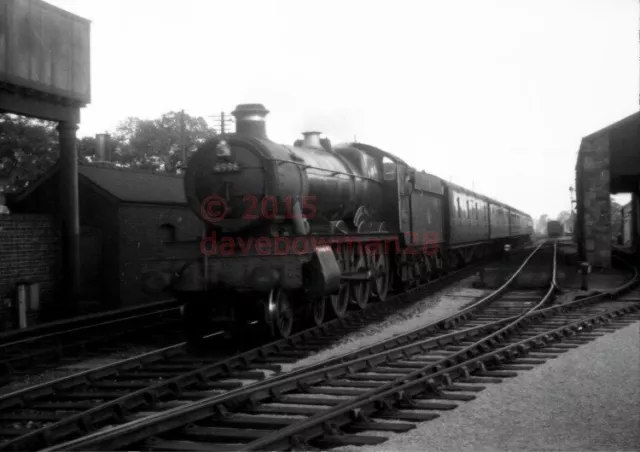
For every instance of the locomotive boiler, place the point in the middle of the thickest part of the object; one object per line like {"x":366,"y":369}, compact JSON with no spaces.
{"x":247,"y":182}
{"x":264,"y":206}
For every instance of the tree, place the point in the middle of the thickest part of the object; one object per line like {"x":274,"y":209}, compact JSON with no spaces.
{"x":155,"y":144}
{"x":28,"y":148}
{"x":616,"y":218}
{"x":563,"y":217}
{"x":541,"y":225}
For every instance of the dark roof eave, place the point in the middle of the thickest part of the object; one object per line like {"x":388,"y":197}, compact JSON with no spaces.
{"x":151,"y":203}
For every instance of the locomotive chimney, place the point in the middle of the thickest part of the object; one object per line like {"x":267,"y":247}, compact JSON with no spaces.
{"x":312,"y":140}
{"x":250,"y":120}
{"x":102,"y":147}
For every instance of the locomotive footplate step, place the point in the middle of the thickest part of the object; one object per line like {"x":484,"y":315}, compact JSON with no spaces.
{"x":168,"y":445}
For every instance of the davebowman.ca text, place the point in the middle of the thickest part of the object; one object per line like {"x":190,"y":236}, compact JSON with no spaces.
{"x":268,"y":246}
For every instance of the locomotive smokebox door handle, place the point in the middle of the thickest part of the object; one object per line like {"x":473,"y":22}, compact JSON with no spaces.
{"x":323,"y":273}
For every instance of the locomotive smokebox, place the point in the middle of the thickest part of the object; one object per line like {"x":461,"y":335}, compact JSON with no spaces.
{"x":250,"y":120}
{"x":312,"y":140}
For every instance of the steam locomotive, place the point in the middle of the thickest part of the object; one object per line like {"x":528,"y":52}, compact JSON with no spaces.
{"x":299,"y":233}
{"x":555,"y":229}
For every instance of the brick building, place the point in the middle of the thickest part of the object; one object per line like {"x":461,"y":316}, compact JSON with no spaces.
{"x":608,"y":163}
{"x":131,"y":222}
{"x":30,"y":250}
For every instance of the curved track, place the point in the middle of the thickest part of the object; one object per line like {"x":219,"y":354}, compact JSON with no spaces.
{"x":325,"y":404}
{"x":41,"y":407}
{"x":45,"y":414}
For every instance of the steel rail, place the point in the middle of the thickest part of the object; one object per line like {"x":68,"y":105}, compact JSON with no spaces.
{"x":84,"y":320}
{"x":23,"y":352}
{"x":82,"y":421}
{"x":210,"y":402}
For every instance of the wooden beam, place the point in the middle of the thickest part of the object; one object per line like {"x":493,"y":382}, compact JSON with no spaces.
{"x":27,"y":106}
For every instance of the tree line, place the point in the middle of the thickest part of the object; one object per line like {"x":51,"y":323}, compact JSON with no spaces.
{"x":29,"y":147}
{"x":564,"y":217}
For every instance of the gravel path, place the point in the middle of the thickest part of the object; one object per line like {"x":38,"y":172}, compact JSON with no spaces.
{"x":435,"y":307}
{"x":588,"y":399}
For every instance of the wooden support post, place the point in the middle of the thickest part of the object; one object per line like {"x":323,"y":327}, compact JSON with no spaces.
{"x":70,"y":216}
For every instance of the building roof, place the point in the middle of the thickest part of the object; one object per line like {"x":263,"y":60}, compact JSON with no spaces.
{"x":629,"y":120}
{"x":124,"y":184}
{"x":137,"y":186}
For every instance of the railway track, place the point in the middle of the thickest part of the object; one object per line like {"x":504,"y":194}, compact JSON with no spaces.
{"x":408,"y":379}
{"x":44,"y":347}
{"x":47,"y":414}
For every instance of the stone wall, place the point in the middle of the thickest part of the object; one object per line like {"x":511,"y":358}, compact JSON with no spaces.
{"x":594,"y":199}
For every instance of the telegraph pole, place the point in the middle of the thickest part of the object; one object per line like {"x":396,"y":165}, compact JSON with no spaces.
{"x":223,"y":121}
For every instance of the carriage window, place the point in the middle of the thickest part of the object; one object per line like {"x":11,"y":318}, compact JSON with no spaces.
{"x":390,"y":169}
{"x":477,"y":213}
{"x":468,"y":213}
{"x":459,"y":209}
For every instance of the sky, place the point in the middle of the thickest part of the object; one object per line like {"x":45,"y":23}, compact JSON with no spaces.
{"x":494,"y":95}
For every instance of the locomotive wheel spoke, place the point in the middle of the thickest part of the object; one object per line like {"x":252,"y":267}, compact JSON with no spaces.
{"x":360,"y":290}
{"x":340,"y":302}
{"x":379,"y":263}
{"x":318,"y":308}
{"x":283,"y":313}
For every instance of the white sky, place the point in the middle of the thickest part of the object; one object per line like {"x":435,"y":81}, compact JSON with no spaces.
{"x":494,"y":95}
